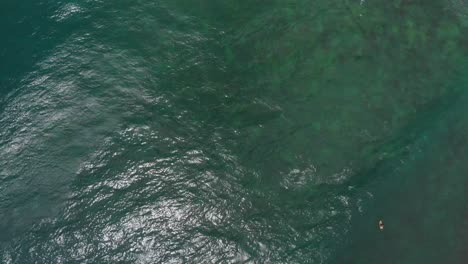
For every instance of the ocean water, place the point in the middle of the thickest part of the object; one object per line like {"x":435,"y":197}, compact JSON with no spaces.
{"x":233,"y":131}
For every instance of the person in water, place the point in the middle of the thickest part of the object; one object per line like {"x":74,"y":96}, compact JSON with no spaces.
{"x":381,"y":225}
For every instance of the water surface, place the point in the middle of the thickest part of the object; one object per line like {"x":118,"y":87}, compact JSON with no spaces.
{"x":233,"y":131}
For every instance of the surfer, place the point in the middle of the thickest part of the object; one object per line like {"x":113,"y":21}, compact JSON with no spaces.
{"x":381,"y":225}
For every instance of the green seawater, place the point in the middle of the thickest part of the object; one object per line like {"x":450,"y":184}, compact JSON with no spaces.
{"x":233,"y":131}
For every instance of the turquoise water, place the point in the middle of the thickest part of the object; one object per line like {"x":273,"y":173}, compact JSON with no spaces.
{"x":276,"y":131}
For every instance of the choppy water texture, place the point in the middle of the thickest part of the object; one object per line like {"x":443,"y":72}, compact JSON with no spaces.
{"x":233,"y":131}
